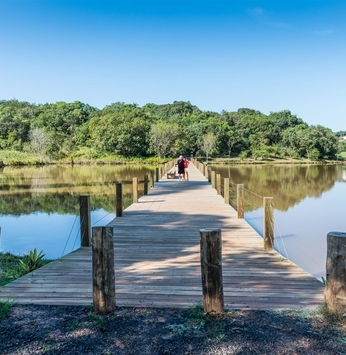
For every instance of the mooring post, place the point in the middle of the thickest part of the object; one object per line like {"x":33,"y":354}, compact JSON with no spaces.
{"x":85,"y":220}
{"x":211,"y":269}
{"x":268,"y":223}
{"x":213,"y":179}
{"x":119,"y":199}
{"x":335,"y":288}
{"x":152,"y":179}
{"x":103,"y":269}
{"x":218,"y":184}
{"x":146,"y":184}
{"x":134,"y":190}
{"x":240,"y":200}
{"x":226,"y":190}
{"x":206,"y":170}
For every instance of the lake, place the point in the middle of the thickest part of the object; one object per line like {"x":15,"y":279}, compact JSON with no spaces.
{"x":309,"y":202}
{"x":39,"y":206}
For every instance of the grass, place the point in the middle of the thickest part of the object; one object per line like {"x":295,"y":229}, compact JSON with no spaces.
{"x":5,"y":309}
{"x":11,"y":269}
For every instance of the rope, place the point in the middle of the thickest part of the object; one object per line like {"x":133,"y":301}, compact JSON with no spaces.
{"x":253,"y":193}
{"x":68,"y":238}
{"x":102,"y":218}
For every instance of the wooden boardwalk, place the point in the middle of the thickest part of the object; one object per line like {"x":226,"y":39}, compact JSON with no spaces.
{"x":157,"y":260}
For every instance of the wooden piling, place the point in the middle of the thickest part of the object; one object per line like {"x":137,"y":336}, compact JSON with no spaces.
{"x":134,"y":190}
{"x":146,"y":184}
{"x":268,"y":223}
{"x":213,"y":182}
{"x":335,"y":289}
{"x":218,"y":184}
{"x":119,"y":199}
{"x":211,"y":269}
{"x":85,"y":220}
{"x":240,"y":200}
{"x":226,"y":190}
{"x":103,"y":269}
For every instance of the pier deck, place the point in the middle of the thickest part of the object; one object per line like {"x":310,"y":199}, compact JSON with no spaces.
{"x":157,"y":259}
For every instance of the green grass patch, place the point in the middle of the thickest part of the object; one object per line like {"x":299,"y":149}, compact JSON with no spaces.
{"x":12,"y":157}
{"x":11,"y":269}
{"x":5,"y":309}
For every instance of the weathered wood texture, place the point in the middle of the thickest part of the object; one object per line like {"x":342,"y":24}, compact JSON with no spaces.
{"x":335,"y":291}
{"x":211,"y":269}
{"x":103,"y":269}
{"x":268,"y":223}
{"x":85,"y":220}
{"x":119,"y":199}
{"x":157,"y":258}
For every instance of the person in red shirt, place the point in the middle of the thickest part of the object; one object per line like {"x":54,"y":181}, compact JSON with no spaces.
{"x":186,"y":168}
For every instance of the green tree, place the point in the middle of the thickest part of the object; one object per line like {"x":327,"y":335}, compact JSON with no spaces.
{"x":209,"y":144}
{"x":162,"y":136}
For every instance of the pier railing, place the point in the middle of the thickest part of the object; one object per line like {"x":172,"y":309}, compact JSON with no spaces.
{"x":242,"y":200}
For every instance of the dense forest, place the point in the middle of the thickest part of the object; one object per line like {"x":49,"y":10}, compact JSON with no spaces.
{"x":77,"y":130}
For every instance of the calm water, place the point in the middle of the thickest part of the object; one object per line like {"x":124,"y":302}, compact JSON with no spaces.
{"x":39,"y":206}
{"x":309,"y":202}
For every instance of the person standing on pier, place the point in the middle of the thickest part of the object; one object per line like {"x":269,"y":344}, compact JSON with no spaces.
{"x":181,"y":167}
{"x":186,"y":168}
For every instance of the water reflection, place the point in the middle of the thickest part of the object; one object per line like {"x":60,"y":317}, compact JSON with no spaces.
{"x":39,"y":206}
{"x":308,"y":202}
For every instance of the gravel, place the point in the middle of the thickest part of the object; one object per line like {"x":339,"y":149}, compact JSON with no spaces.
{"x":78,"y":330}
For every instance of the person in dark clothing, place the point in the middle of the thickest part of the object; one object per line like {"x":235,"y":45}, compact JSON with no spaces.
{"x":181,"y":167}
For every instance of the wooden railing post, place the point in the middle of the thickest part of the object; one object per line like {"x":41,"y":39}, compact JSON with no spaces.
{"x":226,"y":190}
{"x":211,"y":268}
{"x":206,"y":171}
{"x":218,"y":184}
{"x":240,"y":200}
{"x":157,"y":176}
{"x":134,"y":190}
{"x":103,"y":269}
{"x":152,"y":179}
{"x":213,"y":179}
{"x":146,"y":184}
{"x":335,"y":289}
{"x":268,"y":223}
{"x":119,"y":199}
{"x":85,"y":220}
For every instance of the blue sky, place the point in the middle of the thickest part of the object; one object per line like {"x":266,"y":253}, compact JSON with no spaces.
{"x":219,"y":55}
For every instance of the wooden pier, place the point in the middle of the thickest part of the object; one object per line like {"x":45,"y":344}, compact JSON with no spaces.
{"x":157,"y":258}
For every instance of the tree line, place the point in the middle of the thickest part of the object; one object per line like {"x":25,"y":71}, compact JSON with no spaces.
{"x":62,"y":130}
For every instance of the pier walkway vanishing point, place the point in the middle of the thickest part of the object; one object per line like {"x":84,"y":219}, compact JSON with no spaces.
{"x":157,"y":258}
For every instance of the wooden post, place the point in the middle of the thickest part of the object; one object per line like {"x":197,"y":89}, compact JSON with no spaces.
{"x":240,"y":200}
{"x":152,"y":178}
{"x":268,"y":223}
{"x":206,"y":171}
{"x":119,"y":199}
{"x":85,"y":220}
{"x":157,"y":176}
{"x":218,"y":184}
{"x":213,"y":179}
{"x":226,"y":190}
{"x":146,"y":184}
{"x":134,"y":190}
{"x":335,"y":290}
{"x":103,"y":269}
{"x":211,"y":268}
